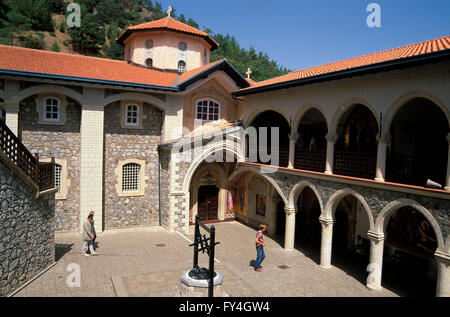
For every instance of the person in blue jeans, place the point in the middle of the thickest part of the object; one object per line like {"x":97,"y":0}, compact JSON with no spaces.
{"x":260,"y":254}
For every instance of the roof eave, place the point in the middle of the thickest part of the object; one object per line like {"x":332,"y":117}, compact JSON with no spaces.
{"x":223,"y":65}
{"x":85,"y":80}
{"x":363,"y":70}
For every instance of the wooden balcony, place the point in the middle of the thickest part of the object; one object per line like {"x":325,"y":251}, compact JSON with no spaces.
{"x":310,"y":160}
{"x":355,"y":164}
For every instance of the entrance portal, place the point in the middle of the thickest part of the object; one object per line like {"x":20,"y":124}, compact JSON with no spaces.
{"x":208,"y":202}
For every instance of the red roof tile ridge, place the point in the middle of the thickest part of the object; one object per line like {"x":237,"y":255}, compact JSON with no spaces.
{"x":61,"y":53}
{"x":419,"y":46}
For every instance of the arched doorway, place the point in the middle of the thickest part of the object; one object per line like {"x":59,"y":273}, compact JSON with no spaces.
{"x":308,"y":229}
{"x":356,"y":148}
{"x":409,"y":266}
{"x":272,"y":119}
{"x":350,"y":246}
{"x":310,"y":148}
{"x":418,"y":150}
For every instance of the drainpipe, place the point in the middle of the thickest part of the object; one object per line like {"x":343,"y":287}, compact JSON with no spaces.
{"x":159,"y":184}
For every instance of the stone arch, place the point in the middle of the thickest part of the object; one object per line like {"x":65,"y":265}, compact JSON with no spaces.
{"x":392,"y":207}
{"x":447,"y":244}
{"x":344,"y":107}
{"x":194,"y":165}
{"x":303,"y":110}
{"x":298,"y":189}
{"x":335,"y":199}
{"x":267,"y":178}
{"x":247,"y":120}
{"x":135,"y":96}
{"x":55,"y":89}
{"x":403,"y":100}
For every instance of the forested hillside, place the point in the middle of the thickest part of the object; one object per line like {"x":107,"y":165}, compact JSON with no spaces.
{"x":42,"y":24}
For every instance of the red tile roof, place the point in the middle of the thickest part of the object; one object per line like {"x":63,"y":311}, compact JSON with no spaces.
{"x":39,"y":63}
{"x":169,"y":24}
{"x":412,"y":50}
{"x":20,"y":59}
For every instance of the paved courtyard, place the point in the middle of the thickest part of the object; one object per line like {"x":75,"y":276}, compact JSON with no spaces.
{"x":149,"y":262}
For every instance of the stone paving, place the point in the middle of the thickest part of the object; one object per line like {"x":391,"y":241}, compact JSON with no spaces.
{"x":148,"y":262}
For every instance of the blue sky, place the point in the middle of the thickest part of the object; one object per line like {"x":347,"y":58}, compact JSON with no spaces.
{"x":299,"y":34}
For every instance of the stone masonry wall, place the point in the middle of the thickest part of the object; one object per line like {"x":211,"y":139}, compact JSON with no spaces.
{"x":59,"y":141}
{"x":376,"y":199}
{"x":123,"y":143}
{"x":27,"y":229}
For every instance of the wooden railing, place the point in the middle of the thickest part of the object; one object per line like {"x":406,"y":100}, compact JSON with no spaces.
{"x":42,"y":174}
{"x":401,"y":168}
{"x":283,"y":155}
{"x":310,"y":160}
{"x":355,"y":164}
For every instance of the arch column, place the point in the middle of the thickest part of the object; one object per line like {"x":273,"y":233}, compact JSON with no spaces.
{"x":289,"y":236}
{"x":447,"y":184}
{"x":292,"y":140}
{"x":376,"y":260}
{"x":443,"y":276}
{"x":331,"y":140}
{"x":326,"y":242}
{"x":380,"y":174}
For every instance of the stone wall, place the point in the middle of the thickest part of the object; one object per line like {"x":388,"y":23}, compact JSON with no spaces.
{"x":27,"y":229}
{"x":376,"y":199}
{"x":59,"y":141}
{"x":165,"y":155}
{"x":124,"y":143}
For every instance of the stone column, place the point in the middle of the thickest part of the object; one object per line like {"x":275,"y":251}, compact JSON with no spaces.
{"x":173,"y":118}
{"x":12,"y":116}
{"x":375,"y":267}
{"x":292,"y":140}
{"x":326,"y":242}
{"x":289,"y":236}
{"x":380,"y":174}
{"x":447,"y":185}
{"x":91,"y":156}
{"x":331,"y":140}
{"x":443,"y":278}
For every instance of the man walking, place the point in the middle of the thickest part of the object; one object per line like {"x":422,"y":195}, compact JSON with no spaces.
{"x":88,"y":236}
{"x":260,"y":254}
{"x":93,"y":230}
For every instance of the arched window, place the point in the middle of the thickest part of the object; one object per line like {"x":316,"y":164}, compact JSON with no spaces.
{"x":182,"y":46}
{"x":131,"y":177}
{"x":132,"y":115}
{"x":207,"y":110}
{"x":51,"y":109}
{"x":181,"y":66}
{"x":149,"y":62}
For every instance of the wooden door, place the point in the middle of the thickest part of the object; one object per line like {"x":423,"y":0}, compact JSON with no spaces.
{"x":208,"y":202}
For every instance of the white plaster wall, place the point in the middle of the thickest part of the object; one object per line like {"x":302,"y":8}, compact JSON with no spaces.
{"x":380,"y":92}
{"x":165,"y":49}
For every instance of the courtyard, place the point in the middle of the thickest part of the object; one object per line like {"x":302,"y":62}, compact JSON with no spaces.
{"x":148,"y":262}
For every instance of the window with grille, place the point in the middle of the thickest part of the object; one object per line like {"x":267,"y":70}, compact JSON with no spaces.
{"x":58,"y":180}
{"x":207,"y":110}
{"x":52,"y":108}
{"x":132,"y":115}
{"x":181,"y":66}
{"x":130,"y":177}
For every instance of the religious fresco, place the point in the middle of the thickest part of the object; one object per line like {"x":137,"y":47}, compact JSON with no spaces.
{"x":240,"y":198}
{"x":408,"y":228}
{"x":261,"y":205}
